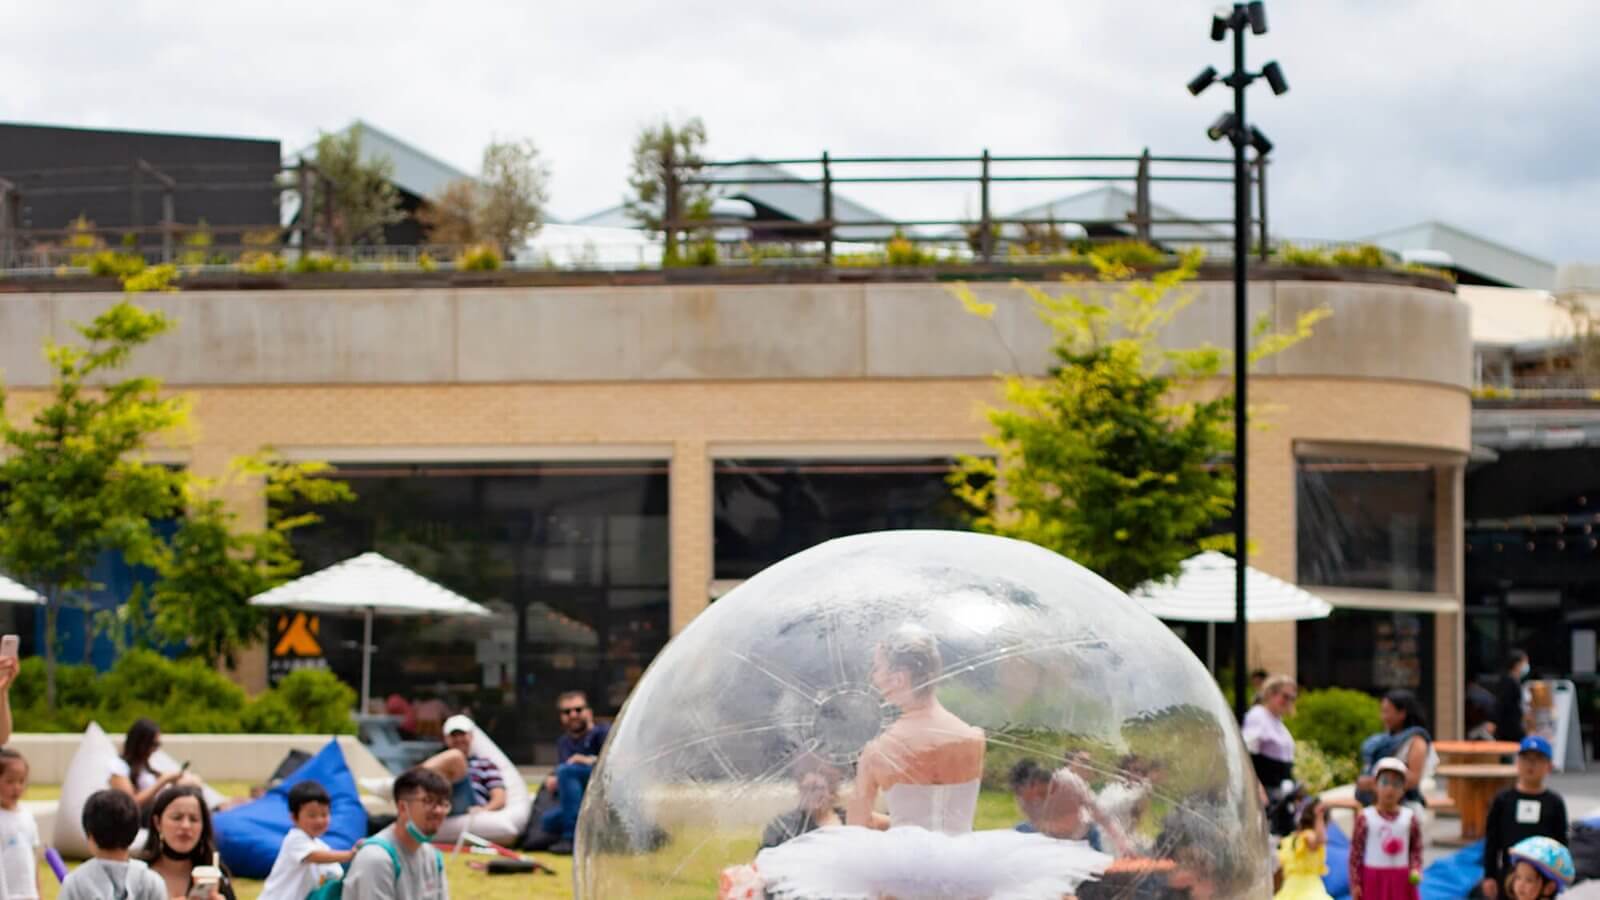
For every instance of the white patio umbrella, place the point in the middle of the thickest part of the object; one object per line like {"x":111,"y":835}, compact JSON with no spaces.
{"x":1204,"y":592}
{"x":368,"y":585}
{"x":15,"y":592}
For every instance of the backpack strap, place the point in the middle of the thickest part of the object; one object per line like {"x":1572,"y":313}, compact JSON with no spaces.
{"x":393,"y":851}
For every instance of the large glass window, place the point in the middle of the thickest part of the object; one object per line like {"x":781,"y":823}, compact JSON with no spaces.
{"x":1369,"y":651}
{"x":1365,"y":524}
{"x":571,"y":558}
{"x":767,"y":510}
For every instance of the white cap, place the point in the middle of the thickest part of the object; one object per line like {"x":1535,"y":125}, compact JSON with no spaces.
{"x":1390,"y":764}
{"x":459,"y":723}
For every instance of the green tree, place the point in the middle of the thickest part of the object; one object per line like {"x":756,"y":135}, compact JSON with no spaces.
{"x":214,"y":565}
{"x":1116,"y":457}
{"x":73,"y":480}
{"x":362,"y":195}
{"x":514,"y":189}
{"x":452,"y":216}
{"x":664,"y":156}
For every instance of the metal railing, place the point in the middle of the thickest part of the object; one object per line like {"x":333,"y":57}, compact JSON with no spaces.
{"x":985,"y":171}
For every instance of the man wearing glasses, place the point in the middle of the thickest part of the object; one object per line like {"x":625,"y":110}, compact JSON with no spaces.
{"x":576,"y":752}
{"x":399,"y":863}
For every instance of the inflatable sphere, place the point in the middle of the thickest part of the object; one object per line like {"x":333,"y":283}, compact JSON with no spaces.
{"x":924,"y":714}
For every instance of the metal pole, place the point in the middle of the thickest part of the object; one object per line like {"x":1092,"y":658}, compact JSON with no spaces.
{"x":986,"y":236}
{"x":1265,"y":250}
{"x":366,"y":662}
{"x":1241,"y":455}
{"x":827,"y":210}
{"x":1141,"y":198}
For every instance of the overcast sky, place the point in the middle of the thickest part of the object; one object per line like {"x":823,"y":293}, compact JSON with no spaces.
{"x":1400,"y":110}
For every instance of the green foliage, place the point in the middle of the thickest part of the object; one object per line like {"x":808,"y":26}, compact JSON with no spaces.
{"x":204,"y":585}
{"x":1132,"y":254}
{"x":183,"y":696}
{"x":155,"y":280}
{"x":261,"y":263}
{"x":73,"y":482}
{"x":426,"y":263}
{"x":362,"y":197}
{"x":1420,"y":269}
{"x":1335,"y":719}
{"x":321,"y":262}
{"x":1112,"y":458}
{"x":703,"y":252}
{"x":479,"y":258}
{"x":900,"y":251}
{"x":1362,"y":256}
{"x":1290,"y":255}
{"x":197,"y":245}
{"x":1319,"y":770}
{"x":112,"y":264}
{"x":664,"y":156}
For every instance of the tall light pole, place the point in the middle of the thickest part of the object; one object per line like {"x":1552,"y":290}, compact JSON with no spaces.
{"x":1238,"y":131}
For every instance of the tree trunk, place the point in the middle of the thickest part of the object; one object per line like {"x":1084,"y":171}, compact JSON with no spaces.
{"x":87,"y":606}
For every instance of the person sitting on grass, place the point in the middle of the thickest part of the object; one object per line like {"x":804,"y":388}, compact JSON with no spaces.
{"x":304,"y":861}
{"x":475,"y":781}
{"x":1524,"y":810}
{"x":577,"y":751}
{"x":111,"y":822}
{"x":20,"y":849}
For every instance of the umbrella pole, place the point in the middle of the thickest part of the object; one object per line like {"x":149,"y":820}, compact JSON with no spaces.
{"x":366,"y":662}
{"x":1211,"y":647}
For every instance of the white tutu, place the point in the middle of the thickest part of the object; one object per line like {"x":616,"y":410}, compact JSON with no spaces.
{"x":848,"y":862}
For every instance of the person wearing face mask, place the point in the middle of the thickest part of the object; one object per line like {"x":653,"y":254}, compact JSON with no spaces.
{"x":181,"y":841}
{"x":399,"y":862}
{"x":1508,"y":709}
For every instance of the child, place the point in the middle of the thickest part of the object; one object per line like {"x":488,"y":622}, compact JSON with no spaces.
{"x":111,"y":820}
{"x":1386,"y":847}
{"x":1524,"y":810}
{"x":1541,"y":867}
{"x":304,"y":862}
{"x":1304,"y":855}
{"x":20,"y":851}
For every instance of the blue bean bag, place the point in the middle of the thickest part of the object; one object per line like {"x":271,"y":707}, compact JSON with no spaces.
{"x":248,"y":836}
{"x":1453,"y":877}
{"x":1337,"y":881}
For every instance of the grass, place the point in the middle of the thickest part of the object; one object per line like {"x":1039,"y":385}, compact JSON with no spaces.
{"x":685,"y":869}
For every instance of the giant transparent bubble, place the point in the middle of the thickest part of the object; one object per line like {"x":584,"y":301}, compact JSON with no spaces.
{"x":949,"y":687}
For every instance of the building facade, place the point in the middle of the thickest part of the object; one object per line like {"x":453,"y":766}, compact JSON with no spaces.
{"x":597,"y":463}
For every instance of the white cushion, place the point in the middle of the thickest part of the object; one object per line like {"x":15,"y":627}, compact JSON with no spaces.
{"x":88,"y":772}
{"x":503,"y":825}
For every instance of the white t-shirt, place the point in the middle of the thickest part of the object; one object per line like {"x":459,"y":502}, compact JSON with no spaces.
{"x":19,"y":855}
{"x":119,"y":766}
{"x":292,"y":877}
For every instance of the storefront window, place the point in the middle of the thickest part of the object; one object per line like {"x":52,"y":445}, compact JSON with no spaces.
{"x":1369,"y":651}
{"x":571,"y":559}
{"x":767,"y":510}
{"x":1366,"y":524}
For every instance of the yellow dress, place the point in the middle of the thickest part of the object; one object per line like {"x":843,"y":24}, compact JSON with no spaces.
{"x":1303,"y":869}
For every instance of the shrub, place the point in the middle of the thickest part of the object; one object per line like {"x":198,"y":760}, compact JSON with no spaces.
{"x":426,"y":263}
{"x":1335,"y":719}
{"x":1129,"y":253}
{"x":900,"y":251}
{"x":1318,"y":770}
{"x":1363,"y":256}
{"x":261,"y":262}
{"x":157,"y":279}
{"x":321,"y":262}
{"x":110,"y":263}
{"x":479,"y":258}
{"x":1290,"y":255}
{"x":197,"y":244}
{"x":316,"y":700}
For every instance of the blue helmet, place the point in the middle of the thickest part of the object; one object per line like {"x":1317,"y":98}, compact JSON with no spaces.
{"x":1550,"y":857}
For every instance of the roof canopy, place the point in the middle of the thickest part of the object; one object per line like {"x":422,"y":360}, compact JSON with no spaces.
{"x":372,"y":582}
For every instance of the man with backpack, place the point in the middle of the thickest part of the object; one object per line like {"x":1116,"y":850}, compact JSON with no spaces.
{"x":399,"y":862}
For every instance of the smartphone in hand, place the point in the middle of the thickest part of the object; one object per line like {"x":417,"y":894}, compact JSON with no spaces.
{"x":8,"y":645}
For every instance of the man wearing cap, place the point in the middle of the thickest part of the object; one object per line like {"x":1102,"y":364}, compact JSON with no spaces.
{"x":476,"y":784}
{"x":1522,"y":811}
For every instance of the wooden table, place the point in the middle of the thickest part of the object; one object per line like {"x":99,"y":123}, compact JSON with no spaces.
{"x":1473,"y":751}
{"x":1473,"y":786}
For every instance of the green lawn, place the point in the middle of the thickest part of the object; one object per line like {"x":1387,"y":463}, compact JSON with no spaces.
{"x":685,"y":869}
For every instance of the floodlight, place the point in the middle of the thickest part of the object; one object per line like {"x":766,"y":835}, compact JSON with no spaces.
{"x":1257,"y":13}
{"x":1259,"y":141}
{"x":1225,"y":125}
{"x":1203,"y":80}
{"x":1274,"y":75}
{"x":1221,"y":20}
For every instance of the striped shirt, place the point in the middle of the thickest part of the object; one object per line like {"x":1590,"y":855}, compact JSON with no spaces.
{"x":485,"y":777}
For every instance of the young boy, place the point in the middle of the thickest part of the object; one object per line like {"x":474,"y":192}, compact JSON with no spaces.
{"x":1522,"y":811}
{"x":111,"y":820}
{"x":20,"y":850}
{"x":304,"y":862}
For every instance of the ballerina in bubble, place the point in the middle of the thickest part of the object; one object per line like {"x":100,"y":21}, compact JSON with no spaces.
{"x":927,"y":766}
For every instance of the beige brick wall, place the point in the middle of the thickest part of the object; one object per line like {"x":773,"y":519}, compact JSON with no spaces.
{"x":692,"y":417}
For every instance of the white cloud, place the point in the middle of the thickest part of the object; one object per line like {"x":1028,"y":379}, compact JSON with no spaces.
{"x":1401,"y":110}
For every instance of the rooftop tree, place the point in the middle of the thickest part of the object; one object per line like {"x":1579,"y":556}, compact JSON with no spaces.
{"x":664,"y":156}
